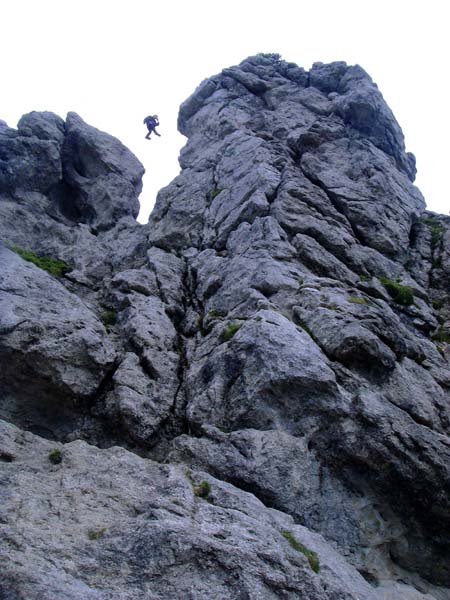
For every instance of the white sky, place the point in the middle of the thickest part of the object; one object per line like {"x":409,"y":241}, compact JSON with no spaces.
{"x":114,"y":62}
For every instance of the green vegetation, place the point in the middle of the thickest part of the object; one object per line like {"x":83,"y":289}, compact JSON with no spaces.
{"x":286,"y":314}
{"x":215,"y":193}
{"x":202,"y":490}
{"x":436,"y":229}
{"x":357,"y":300}
{"x":331,"y":306}
{"x":305,"y":328}
{"x":201,"y":325}
{"x":55,"y":456}
{"x":312,"y":557}
{"x":440,"y":349}
{"x":229,"y":332}
{"x":402,"y":294}
{"x":365,"y":278}
{"x":55,"y":267}
{"x":438,"y":303}
{"x":108,"y":318}
{"x":96,"y":534}
{"x":441,"y":335}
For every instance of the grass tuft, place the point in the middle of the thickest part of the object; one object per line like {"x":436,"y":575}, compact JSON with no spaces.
{"x":436,"y":229}
{"x":312,"y":557}
{"x":229,"y":332}
{"x":202,"y":490}
{"x":438,"y":303}
{"x":214,"y":193}
{"x":402,"y":294}
{"x":272,"y":55}
{"x":55,"y":456}
{"x":108,"y":318}
{"x":357,"y":300}
{"x":96,"y":534}
{"x":441,"y":335}
{"x":55,"y":267}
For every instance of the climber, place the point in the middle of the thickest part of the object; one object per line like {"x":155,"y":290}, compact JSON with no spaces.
{"x":151,"y":122}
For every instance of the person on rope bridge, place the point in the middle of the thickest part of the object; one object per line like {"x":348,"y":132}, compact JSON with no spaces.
{"x":151,"y":122}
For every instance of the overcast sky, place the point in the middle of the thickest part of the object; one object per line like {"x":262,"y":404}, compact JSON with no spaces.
{"x":116,"y":62}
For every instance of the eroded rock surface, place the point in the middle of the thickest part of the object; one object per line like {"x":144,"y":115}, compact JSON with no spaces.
{"x":280,"y":330}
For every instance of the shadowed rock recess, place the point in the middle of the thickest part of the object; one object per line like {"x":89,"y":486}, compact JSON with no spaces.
{"x":248,"y":397}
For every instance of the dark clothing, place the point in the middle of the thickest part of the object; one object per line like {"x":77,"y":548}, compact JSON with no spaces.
{"x":151,"y":123}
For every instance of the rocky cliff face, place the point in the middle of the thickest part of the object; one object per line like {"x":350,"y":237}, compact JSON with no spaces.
{"x":249,"y":396}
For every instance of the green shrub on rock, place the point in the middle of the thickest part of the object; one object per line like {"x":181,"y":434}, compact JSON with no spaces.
{"x":202,"y":490}
{"x":96,"y":534}
{"x":55,"y":267}
{"x":108,"y":318}
{"x":55,"y":456}
{"x":229,"y":332}
{"x":312,"y":557}
{"x":402,"y":294}
{"x":441,"y":335}
{"x":436,"y":229}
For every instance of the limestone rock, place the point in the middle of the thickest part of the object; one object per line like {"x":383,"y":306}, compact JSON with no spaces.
{"x":106,"y":177}
{"x":54,"y":350}
{"x":151,"y":528}
{"x":43,"y":125}
{"x":279,"y":330}
{"x":28,"y":163}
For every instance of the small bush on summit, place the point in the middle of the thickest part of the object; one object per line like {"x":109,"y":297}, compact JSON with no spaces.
{"x":402,"y":294}
{"x":271,"y":55}
{"x":55,"y":267}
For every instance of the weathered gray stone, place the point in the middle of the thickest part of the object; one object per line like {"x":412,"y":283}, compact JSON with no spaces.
{"x":28,"y":163}
{"x":43,"y":125}
{"x":54,"y":350}
{"x":106,"y":176}
{"x":362,"y":185}
{"x":268,"y":375}
{"x":282,"y":324}
{"x":149,"y":528}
